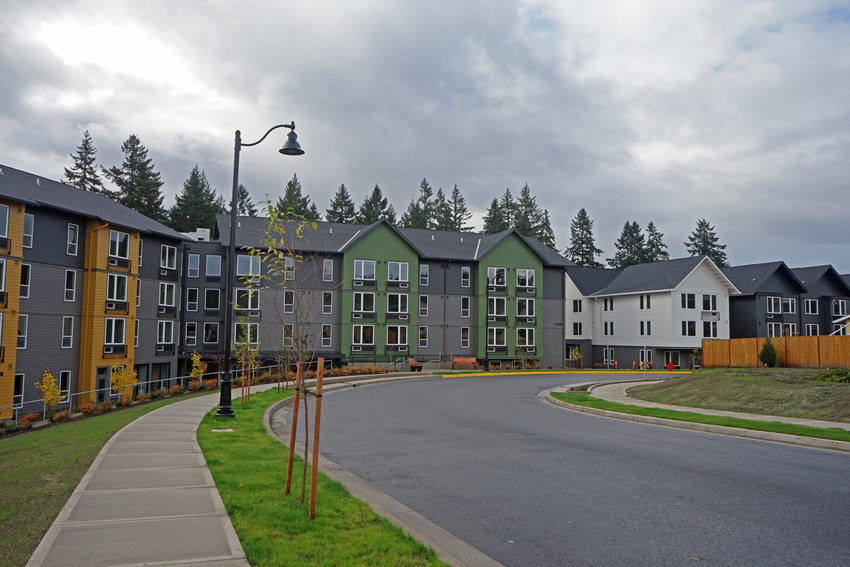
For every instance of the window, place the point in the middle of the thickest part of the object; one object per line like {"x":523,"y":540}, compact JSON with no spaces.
{"x":774,"y":329}
{"x":73,"y":240}
{"x":839,"y":307}
{"x":812,"y":329}
{"x":465,"y":276}
{"x":709,"y":302}
{"x":213,"y":268}
{"x":525,"y":337}
{"x":327,"y":302}
{"x":327,"y":270}
{"x":288,"y":268}
{"x":789,"y":305}
{"x":364,"y":302}
{"x":167,"y":257}
{"x":364,"y":270}
{"x":397,"y":271}
{"x":645,"y":302}
{"x":464,"y":337}
{"x":671,"y":356}
{"x":709,"y":329}
{"x":423,"y":305}
{"x":327,"y":337}
{"x":645,"y":328}
{"x":191,"y":334}
{"x":423,"y":337}
{"x":2,"y":274}
{"x":212,"y":298}
{"x":4,"y":222}
{"x":210,"y":333}
{"x":646,"y":355}
{"x":497,"y":276}
{"x":789,"y":329}
{"x":136,"y":334}
{"x":67,"y":332}
{"x":811,"y":307}
{"x":119,"y":244}
{"x":396,"y":303}
{"x":246,"y":333}
{"x":165,"y":332}
{"x":464,"y":307}
{"x":608,"y":304}
{"x":524,"y":277}
{"x":608,"y":328}
{"x":113,"y":331}
{"x":363,"y":335}
{"x":250,"y":265}
{"x":18,"y":399}
{"x":141,"y":250}
{"x":166,"y":294}
{"x":774,"y":305}
{"x":396,"y":335}
{"x":496,"y":336}
{"x":64,"y":382}
{"x":577,"y":330}
{"x":608,"y":356}
{"x":26,"y":274}
{"x":689,"y":301}
{"x":192,"y":299}
{"x":424,"y":274}
{"x":247,"y":299}
{"x":288,"y":334}
{"x":525,"y":307}
{"x":576,"y":305}
{"x":23,"y":324}
{"x":193,"y":266}
{"x":138,"y":292}
{"x":288,"y":301}
{"x":689,"y":328}
{"x":70,"y":285}
{"x":497,"y":306}
{"x":116,"y":287}
{"x":29,"y":225}
{"x":839,"y":329}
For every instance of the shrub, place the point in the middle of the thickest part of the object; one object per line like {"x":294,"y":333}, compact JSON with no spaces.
{"x":156,"y":393}
{"x":27,"y":420}
{"x":176,"y":390}
{"x":60,"y":416}
{"x":107,"y":406}
{"x":768,"y":355}
{"x":195,"y":385}
{"x":143,"y":397}
{"x":834,"y":375}
{"x":89,"y":409}
{"x":211,"y":384}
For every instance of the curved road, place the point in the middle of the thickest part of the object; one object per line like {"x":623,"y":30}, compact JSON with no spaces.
{"x":531,"y":484}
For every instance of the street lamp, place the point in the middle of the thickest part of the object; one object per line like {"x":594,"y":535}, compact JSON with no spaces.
{"x":290,"y":148}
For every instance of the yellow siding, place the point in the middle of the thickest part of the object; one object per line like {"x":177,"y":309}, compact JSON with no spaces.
{"x":9,"y":338}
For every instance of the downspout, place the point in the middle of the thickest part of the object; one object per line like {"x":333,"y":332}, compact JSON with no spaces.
{"x":445,"y":311}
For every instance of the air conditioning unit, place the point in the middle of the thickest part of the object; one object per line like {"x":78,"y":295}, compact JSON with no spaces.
{"x":491,"y":288}
{"x":531,"y":290}
{"x":404,"y":285}
{"x":356,"y":315}
{"x":491,"y":319}
{"x":355,"y":349}
{"x":530,"y":349}
{"x":358,"y":283}
{"x":162,"y":310}
{"x":107,"y":350}
{"x":113,"y":261}
{"x":770,"y":315}
{"x":402,"y":349}
{"x":254,"y":314}
{"x":160,"y":348}
{"x":110,"y":305}
{"x":530,"y":320}
{"x":491,"y":349}
{"x":403,"y":316}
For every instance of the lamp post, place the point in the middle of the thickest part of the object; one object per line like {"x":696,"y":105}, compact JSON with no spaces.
{"x":290,"y":148}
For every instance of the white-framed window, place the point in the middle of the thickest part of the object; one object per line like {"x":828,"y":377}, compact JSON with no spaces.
{"x":2,"y":274}
{"x":73,"y":240}
{"x":577,"y":328}
{"x":397,"y":271}
{"x":423,"y":337}
{"x":709,"y":302}
{"x":789,"y":329}
{"x":167,"y":257}
{"x":192,"y":299}
{"x":608,"y":328}
{"x":646,"y":355}
{"x":246,"y":333}
{"x":288,"y":334}
{"x":709,"y":329}
{"x":165,"y":332}
{"x":811,"y":307}
{"x":812,"y":329}
{"x":29,"y":228}
{"x":327,"y":270}
{"x":497,"y":276}
{"x":113,"y":333}
{"x":464,"y":337}
{"x":141,"y":251}
{"x":397,"y":335}
{"x":497,"y":306}
{"x":212,"y":298}
{"x":210,"y":333}
{"x":26,"y":277}
{"x":396,"y":303}
{"x":364,"y":270}
{"x":193,"y":265}
{"x":247,"y":265}
{"x":525,"y":277}
{"x":465,"y":276}
{"x":671,"y":356}
{"x":18,"y":396}
{"x":465,"y":302}
{"x":213,"y":266}
{"x":136,"y":333}
{"x":839,"y":329}
{"x":608,"y":357}
{"x":364,"y":302}
{"x":327,"y":303}
{"x":363,"y":335}
{"x":689,"y":301}
{"x":577,"y":305}
{"x":608,"y":304}
{"x":839,"y":307}
{"x":288,"y":301}
{"x":247,"y":299}
{"x":525,"y":337}
{"x":424,"y":274}
{"x":64,"y":382}
{"x":646,"y":328}
{"x":191,"y":333}
{"x":4,"y":222}
{"x":789,"y":305}
{"x":289,"y":268}
{"x":525,"y":307}
{"x":166,"y":294}
{"x":119,"y":244}
{"x":423,"y":305}
{"x":70,"y":285}
{"x":645,"y":302}
{"x":67,"y":332}
{"x":23,"y":326}
{"x":496,"y":336}
{"x":689,"y":328}
{"x":774,"y":304}
{"x":116,"y":287}
{"x":138,"y":292}
{"x":327,"y":336}
{"x":774,"y":329}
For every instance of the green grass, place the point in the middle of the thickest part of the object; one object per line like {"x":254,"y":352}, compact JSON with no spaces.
{"x":585,"y":399}
{"x":249,"y":468}
{"x":40,"y":469}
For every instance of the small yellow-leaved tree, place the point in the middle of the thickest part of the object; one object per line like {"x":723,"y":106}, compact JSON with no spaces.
{"x":51,"y":395}
{"x":123,"y":380}
{"x":199,"y":367}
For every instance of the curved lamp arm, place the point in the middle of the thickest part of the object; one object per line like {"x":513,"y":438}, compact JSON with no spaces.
{"x":291,"y":126}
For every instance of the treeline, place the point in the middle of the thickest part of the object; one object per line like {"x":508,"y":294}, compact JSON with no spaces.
{"x":139,"y":186}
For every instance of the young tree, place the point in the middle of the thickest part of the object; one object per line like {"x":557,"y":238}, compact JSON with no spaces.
{"x":197,"y":205}
{"x":494,"y":221}
{"x":703,"y":241}
{"x":83,"y":173}
{"x":419,"y":213}
{"x":138,"y":184}
{"x":582,"y":249}
{"x":51,"y":395}
{"x":342,"y":207}
{"x":375,"y":207}
{"x":456,"y":214}
{"x":123,"y":379}
{"x":655,"y":248}
{"x":295,"y":202}
{"x":244,"y":205}
{"x":630,"y":247}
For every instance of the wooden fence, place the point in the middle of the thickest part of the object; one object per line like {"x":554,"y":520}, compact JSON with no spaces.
{"x":817,"y":351}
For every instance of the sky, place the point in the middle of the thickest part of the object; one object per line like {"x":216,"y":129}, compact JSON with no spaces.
{"x":663,"y":111}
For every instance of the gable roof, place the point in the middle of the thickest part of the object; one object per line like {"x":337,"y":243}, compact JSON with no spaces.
{"x":750,"y":278}
{"x":811,"y":274}
{"x":33,"y":190}
{"x":590,"y":280}
{"x":660,"y":276}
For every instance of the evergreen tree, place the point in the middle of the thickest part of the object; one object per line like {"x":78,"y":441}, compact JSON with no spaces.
{"x":494,"y":221}
{"x":244,"y":205}
{"x":441,"y":212}
{"x":545,"y":234}
{"x":375,"y":207}
{"x":83,"y":173}
{"x":655,"y":248}
{"x":527,"y":214}
{"x":582,"y":249}
{"x":295,"y":203}
{"x":508,"y":209}
{"x":457,"y":214}
{"x":138,"y":184}
{"x":703,"y":241}
{"x":197,"y":205}
{"x":342,"y":207}
{"x":419,"y":212}
{"x":630,"y":247}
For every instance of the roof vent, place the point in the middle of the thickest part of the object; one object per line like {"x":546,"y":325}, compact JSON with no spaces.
{"x":37,"y":181}
{"x":238,"y":224}
{"x":1,"y":171}
{"x":461,"y":239}
{"x":432,"y":237}
{"x":331,"y":230}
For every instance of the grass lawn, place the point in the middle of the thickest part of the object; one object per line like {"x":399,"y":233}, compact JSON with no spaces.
{"x":249,"y":468}
{"x":40,"y":469}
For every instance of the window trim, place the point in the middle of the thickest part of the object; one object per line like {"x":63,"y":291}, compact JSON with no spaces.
{"x":115,"y":239}
{"x":194,"y":337}
{"x":808,"y":303}
{"x":493,"y":334}
{"x":31,"y":232}
{"x":211,"y":324}
{"x":193,"y":271}
{"x":252,"y":295}
{"x":290,"y":340}
{"x":72,"y":239}
{"x":465,"y":312}
{"x":493,"y":276}
{"x":774,"y":305}
{"x":327,"y":306}
{"x":400,"y":309}
{"x":112,"y":286}
{"x":251,"y":335}
{"x":527,"y":331}
{"x":360,"y":265}
{"x":526,"y":301}
{"x":28,"y":269}
{"x":423,"y":343}
{"x":465,"y":276}
{"x":112,"y":341}
{"x":4,"y":225}
{"x":212,"y":269}
{"x":73,"y":288}
{"x":208,"y":291}
{"x":361,"y":327}
{"x":530,"y":276}
{"x":192,"y":306}
{"x":403,"y":271}
{"x":173,"y":295}
{"x":327,"y":341}
{"x":167,"y":259}
{"x":399,"y":334}
{"x":327,"y":270}
{"x":68,"y":336}
{"x":25,"y":318}
{"x":161,"y":327}
{"x":423,"y":309}
{"x":361,"y":295}
{"x":424,"y":274}
{"x":464,"y":341}
{"x":288,"y":301}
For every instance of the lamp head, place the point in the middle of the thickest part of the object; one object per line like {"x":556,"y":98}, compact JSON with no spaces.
{"x":291,"y":147}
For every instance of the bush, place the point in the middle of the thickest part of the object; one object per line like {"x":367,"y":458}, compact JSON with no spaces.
{"x":834,"y":375}
{"x":143,"y":397}
{"x":195,"y":385}
{"x":60,"y":416}
{"x":28,"y":419}
{"x":89,"y":409}
{"x":157,"y":393}
{"x":210,"y":384}
{"x":107,"y":406}
{"x":176,"y":390}
{"x":768,"y":355}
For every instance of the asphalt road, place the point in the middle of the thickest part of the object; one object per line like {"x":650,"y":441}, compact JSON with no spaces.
{"x":530,"y":484}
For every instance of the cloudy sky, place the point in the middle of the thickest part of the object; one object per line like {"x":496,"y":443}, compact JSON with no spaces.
{"x":737,"y":112}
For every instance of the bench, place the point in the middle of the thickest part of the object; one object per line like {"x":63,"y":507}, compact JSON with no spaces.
{"x":414,"y":366}
{"x":463,"y":361}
